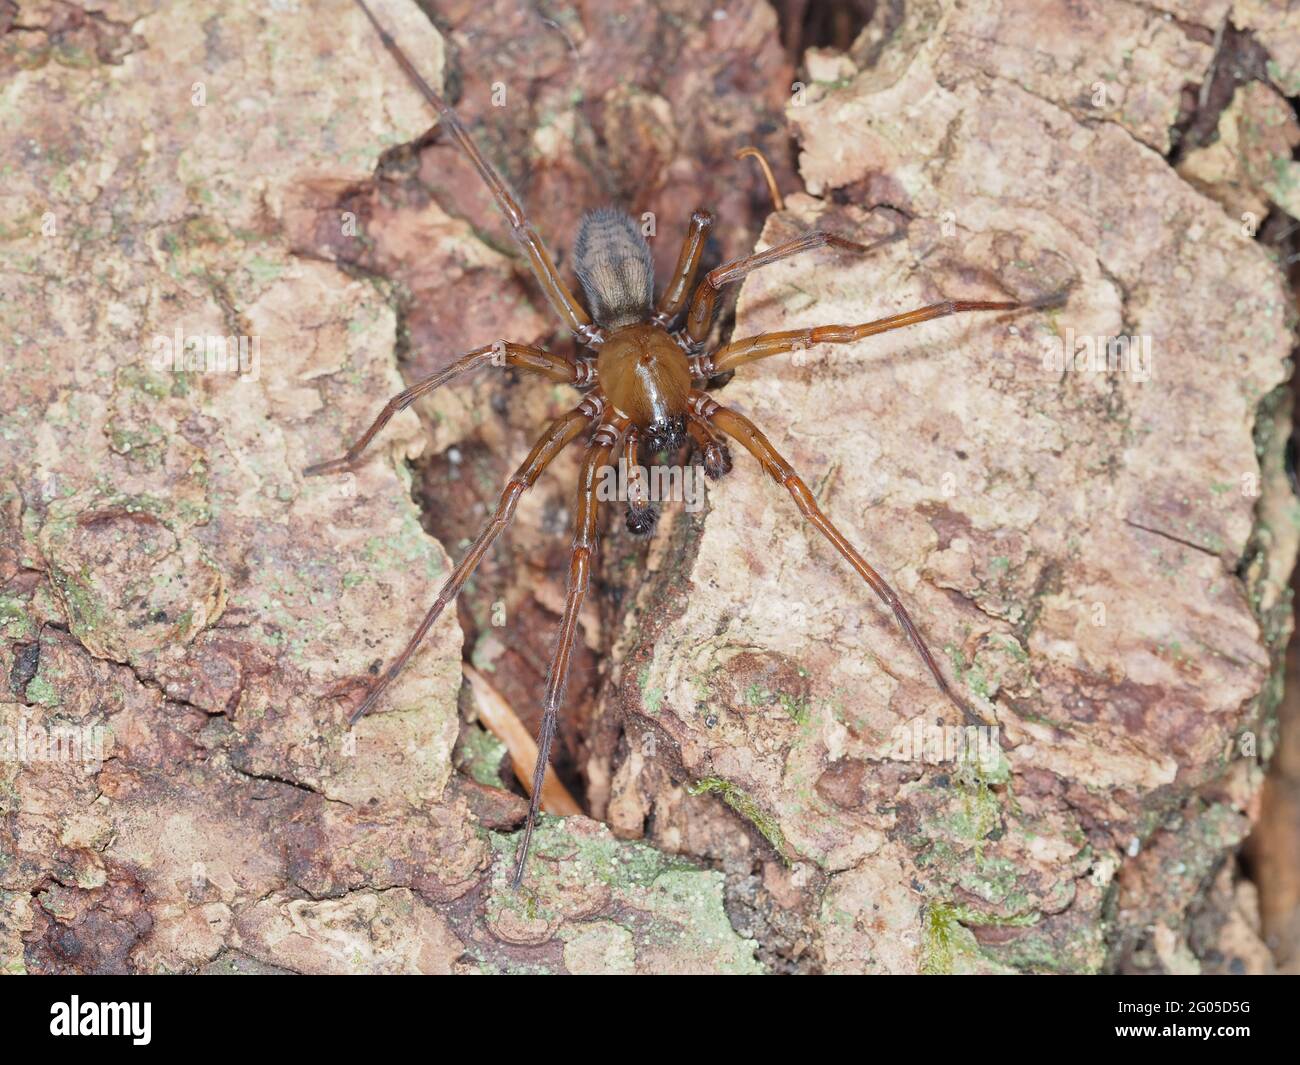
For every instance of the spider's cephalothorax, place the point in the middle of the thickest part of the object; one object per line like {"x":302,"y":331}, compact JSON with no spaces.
{"x":645,"y":388}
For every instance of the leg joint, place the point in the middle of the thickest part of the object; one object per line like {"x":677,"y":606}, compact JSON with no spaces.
{"x":703,"y":407}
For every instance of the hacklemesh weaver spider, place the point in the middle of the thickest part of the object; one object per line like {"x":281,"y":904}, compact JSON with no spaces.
{"x":645,"y":387}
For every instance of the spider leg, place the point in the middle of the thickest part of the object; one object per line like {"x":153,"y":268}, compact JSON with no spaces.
{"x":560,"y":432}
{"x":642,"y":514}
{"x":717,"y":456}
{"x":598,"y":454}
{"x":749,"y":349}
{"x":699,"y":320}
{"x":688,"y":264}
{"x":502,"y":353}
{"x":561,"y":299}
{"x":742,"y":430}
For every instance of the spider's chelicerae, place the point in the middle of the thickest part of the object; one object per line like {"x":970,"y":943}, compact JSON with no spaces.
{"x":644,"y":389}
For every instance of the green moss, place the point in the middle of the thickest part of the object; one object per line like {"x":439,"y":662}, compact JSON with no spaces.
{"x":137,"y":442}
{"x":798,"y":709}
{"x":945,"y":940}
{"x":743,"y":803}
{"x":1290,"y":85}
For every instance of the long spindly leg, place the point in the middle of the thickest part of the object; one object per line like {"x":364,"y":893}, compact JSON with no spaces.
{"x":597,"y":458}
{"x":559,"y":296}
{"x":744,"y":431}
{"x":558,"y":434}
{"x":502,"y":353}
{"x":688,"y":264}
{"x":749,"y":349}
{"x":699,"y":320}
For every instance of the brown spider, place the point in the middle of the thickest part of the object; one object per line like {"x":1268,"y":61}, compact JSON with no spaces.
{"x":645,"y":387}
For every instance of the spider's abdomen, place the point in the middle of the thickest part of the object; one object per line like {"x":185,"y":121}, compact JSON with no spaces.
{"x":615,"y":267}
{"x":645,"y":374}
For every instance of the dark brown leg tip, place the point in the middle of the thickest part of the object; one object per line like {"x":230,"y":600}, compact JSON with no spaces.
{"x":1053,"y":301}
{"x":319,"y":468}
{"x":642,"y":520}
{"x":367,"y":704}
{"x":717,"y":461}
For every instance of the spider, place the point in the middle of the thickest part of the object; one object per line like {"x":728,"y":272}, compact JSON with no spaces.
{"x":645,"y":388}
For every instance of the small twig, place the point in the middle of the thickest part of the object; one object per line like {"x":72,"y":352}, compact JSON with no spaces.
{"x":778,"y":203}
{"x":504,"y":724}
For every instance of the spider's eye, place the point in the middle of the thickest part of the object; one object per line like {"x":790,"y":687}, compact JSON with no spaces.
{"x":666,"y":434}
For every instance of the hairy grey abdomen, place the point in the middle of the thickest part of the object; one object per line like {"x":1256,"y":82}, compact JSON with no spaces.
{"x":615,"y":267}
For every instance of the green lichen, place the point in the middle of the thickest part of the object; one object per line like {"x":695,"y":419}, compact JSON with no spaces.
{"x":156,"y":386}
{"x":597,"y":857}
{"x":85,"y":614}
{"x":481,"y":755}
{"x":42,"y":692}
{"x":15,"y":622}
{"x":662,"y":908}
{"x":598,"y":948}
{"x":693,"y":900}
{"x":651,"y":698}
